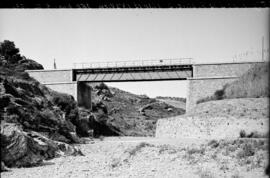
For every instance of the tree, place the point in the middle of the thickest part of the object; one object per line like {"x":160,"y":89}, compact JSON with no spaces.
{"x":9,"y":51}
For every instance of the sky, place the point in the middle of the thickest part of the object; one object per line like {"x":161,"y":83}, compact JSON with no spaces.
{"x":91,"y":35}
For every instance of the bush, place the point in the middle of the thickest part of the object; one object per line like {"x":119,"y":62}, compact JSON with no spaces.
{"x":213,"y":143}
{"x":246,"y":151}
{"x":196,"y":150}
{"x":219,"y":94}
{"x":133,"y":151}
{"x":254,"y":134}
{"x":242,"y":134}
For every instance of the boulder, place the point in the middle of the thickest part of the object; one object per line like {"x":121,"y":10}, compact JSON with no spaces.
{"x":24,"y":149}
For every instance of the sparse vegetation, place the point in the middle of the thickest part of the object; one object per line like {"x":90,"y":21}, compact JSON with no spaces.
{"x":127,"y":114}
{"x":206,"y":174}
{"x":172,"y":98}
{"x":116,"y":162}
{"x":254,"y":134}
{"x":252,"y":84}
{"x":137,"y":148}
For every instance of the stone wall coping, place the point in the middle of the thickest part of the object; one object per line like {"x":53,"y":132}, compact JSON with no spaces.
{"x":57,"y":83}
{"x":49,"y":70}
{"x":207,"y":78}
{"x":222,"y":63}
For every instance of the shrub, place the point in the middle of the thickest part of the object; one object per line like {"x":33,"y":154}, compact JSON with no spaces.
{"x":133,"y":151}
{"x":246,"y":151}
{"x":254,"y":134}
{"x":213,"y":144}
{"x":242,"y":134}
{"x":206,"y":174}
{"x":196,"y":150}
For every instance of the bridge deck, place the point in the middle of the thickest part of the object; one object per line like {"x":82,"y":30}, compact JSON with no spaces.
{"x":150,"y":70}
{"x":141,"y":73}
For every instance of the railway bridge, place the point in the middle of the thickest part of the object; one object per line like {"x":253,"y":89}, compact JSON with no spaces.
{"x":203,"y":79}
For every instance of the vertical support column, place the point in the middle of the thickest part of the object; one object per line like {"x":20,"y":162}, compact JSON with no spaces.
{"x":84,"y":95}
{"x":189,"y":101}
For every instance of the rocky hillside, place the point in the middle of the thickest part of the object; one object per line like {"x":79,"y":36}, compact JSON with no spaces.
{"x":36,"y":122}
{"x":126,"y":113}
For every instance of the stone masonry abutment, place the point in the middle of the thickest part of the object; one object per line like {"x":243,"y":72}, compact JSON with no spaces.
{"x":61,"y":81}
{"x":208,"y":78}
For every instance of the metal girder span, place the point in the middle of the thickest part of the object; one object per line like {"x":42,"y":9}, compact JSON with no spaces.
{"x":133,"y":76}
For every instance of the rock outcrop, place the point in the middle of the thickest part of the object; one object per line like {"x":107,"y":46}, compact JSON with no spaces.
{"x":20,"y":148}
{"x":36,"y":122}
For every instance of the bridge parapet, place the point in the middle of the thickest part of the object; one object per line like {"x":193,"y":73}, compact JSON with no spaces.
{"x":135,"y":63}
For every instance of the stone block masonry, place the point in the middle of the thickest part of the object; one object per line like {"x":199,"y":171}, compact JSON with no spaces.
{"x":61,"y":81}
{"x":221,"y":69}
{"x":209,"y":127}
{"x":208,"y":78}
{"x":203,"y":87}
{"x":52,"y":76}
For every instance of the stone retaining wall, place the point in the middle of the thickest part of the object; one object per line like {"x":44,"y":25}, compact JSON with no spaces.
{"x":208,"y":78}
{"x":202,"y":88}
{"x":208,"y":128}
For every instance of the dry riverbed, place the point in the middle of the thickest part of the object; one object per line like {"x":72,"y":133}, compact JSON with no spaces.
{"x":151,"y":157}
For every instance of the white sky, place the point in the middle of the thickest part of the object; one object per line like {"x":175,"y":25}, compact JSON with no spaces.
{"x":90,"y":35}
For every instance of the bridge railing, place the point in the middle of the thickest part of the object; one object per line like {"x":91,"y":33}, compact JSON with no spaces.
{"x":135,"y":63}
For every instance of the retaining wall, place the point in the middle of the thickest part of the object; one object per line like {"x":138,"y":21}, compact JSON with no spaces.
{"x":221,"y":69}
{"x":208,"y":78}
{"x":204,"y":87}
{"x":209,"y":128}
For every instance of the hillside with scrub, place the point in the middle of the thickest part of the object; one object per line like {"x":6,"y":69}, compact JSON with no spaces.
{"x":128,"y":114}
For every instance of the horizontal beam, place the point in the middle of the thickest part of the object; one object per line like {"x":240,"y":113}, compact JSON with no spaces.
{"x":139,"y":80}
{"x":133,"y":76}
{"x":134,"y":69}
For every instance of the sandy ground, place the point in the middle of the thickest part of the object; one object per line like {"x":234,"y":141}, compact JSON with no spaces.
{"x":136,"y":157}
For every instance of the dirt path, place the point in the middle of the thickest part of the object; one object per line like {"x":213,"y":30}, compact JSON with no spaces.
{"x":128,"y":157}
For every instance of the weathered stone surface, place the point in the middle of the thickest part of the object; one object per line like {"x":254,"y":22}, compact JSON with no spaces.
{"x":33,"y":117}
{"x":20,"y":148}
{"x":219,"y":119}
